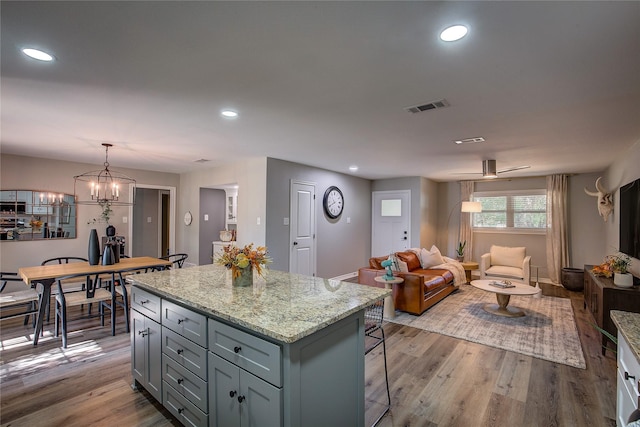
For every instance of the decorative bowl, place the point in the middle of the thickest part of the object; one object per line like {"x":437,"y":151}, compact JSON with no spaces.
{"x":225,"y":235}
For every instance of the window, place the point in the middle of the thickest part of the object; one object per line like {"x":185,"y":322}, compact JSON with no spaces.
{"x":514,"y":211}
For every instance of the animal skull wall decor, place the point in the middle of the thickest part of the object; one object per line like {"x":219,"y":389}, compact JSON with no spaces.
{"x":605,"y":200}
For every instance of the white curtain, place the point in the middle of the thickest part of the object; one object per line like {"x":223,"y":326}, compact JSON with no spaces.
{"x":557,"y":241}
{"x":466,"y":231}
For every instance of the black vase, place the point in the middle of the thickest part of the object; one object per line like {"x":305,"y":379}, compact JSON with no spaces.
{"x":94,"y":248}
{"x":107,"y":256}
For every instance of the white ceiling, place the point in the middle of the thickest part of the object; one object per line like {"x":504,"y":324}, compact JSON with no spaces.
{"x":554,"y":85}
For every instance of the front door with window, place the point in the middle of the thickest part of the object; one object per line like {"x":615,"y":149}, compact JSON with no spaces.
{"x":391,"y":224}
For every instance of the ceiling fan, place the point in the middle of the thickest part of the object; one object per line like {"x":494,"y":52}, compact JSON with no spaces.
{"x":489,"y":169}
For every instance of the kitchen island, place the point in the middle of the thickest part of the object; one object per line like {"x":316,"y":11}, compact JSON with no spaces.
{"x":287,"y":351}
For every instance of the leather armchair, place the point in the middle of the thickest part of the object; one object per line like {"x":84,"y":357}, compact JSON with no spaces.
{"x":503,"y":262}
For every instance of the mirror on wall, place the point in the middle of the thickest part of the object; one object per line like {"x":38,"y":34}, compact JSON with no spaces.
{"x":36,"y":215}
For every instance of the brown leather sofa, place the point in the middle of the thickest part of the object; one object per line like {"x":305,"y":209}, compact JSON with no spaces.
{"x":421,"y":289}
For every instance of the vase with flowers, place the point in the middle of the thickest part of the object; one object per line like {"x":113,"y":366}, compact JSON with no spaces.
{"x":35,"y":224}
{"x":242,"y":262}
{"x":617,"y":266}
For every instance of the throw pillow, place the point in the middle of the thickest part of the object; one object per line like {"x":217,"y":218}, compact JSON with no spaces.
{"x":510,"y":257}
{"x":398,"y":265}
{"x":431,"y":258}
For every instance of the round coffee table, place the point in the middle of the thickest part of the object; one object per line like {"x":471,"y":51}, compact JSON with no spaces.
{"x":389,"y":306}
{"x":503,"y":295}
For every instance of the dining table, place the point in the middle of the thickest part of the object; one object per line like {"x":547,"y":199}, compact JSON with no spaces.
{"x":46,"y":275}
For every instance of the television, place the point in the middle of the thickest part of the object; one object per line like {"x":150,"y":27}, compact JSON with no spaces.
{"x":630,"y":219}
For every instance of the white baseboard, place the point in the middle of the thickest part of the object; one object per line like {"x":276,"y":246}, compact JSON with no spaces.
{"x":346,"y":276}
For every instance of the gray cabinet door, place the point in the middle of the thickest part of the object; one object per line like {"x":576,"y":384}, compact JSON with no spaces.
{"x":138,"y":351}
{"x":224,"y":384}
{"x":146,"y":353}
{"x":154,"y":381}
{"x":262,"y":403}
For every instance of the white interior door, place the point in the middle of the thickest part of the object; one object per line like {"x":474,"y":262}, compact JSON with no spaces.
{"x":391,"y":223}
{"x":302,"y":229}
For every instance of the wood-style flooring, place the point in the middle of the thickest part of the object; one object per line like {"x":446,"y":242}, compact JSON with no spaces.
{"x":435,"y":380}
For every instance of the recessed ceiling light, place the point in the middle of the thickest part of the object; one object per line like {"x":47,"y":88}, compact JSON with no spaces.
{"x":453,"y":33}
{"x":37,"y":54}
{"x":230,"y":114}
{"x":353,"y":168}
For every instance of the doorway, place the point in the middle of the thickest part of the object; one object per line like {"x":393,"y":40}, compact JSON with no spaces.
{"x":152,"y":221}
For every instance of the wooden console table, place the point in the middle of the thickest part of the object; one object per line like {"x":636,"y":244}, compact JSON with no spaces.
{"x":601,"y":296}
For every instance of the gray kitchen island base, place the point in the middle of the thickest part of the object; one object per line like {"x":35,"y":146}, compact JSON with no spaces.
{"x":249,"y":379}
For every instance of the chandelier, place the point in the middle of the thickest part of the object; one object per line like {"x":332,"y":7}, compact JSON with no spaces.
{"x":104,"y":187}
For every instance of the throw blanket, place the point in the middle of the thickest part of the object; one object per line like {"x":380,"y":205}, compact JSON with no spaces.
{"x":459,"y":277}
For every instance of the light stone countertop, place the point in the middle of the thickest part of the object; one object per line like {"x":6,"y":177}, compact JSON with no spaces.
{"x":283,"y":306}
{"x":628,"y":325}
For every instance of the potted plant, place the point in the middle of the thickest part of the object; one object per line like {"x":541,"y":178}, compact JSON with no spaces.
{"x":460,"y":251}
{"x":619,"y":265}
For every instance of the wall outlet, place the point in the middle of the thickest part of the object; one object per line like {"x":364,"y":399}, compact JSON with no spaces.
{"x":206,"y":217}
{"x":149,"y":219}
{"x":348,"y":220}
{"x":124,"y":219}
{"x":285,"y":221}
{"x":258,"y":222}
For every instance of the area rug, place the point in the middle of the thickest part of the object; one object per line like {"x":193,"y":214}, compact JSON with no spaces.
{"x":547,"y":331}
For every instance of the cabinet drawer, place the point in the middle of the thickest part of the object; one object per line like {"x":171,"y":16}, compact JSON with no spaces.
{"x":187,"y":323}
{"x":185,"y":382}
{"x":186,"y":412}
{"x":145,"y":303}
{"x":261,"y":358}
{"x":186,"y":353}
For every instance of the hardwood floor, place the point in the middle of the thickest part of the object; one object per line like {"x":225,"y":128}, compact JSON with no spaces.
{"x":435,"y":380}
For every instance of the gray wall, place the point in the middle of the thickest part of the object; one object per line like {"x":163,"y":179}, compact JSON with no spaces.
{"x":212,"y":203}
{"x":586,"y":232}
{"x":341,"y":247}
{"x":32,"y":173}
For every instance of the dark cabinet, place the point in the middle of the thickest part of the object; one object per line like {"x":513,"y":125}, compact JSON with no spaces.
{"x":601,"y":296}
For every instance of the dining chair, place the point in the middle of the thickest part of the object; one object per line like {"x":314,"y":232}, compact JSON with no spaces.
{"x":374,"y":336}
{"x":69,"y":286}
{"x":177,"y":259}
{"x":25,"y":299}
{"x":93,"y":293}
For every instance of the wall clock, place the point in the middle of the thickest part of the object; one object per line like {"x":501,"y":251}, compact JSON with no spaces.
{"x":333,"y":202}
{"x":188,"y":218}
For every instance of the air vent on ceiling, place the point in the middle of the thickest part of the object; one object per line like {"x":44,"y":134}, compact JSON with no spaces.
{"x":469,"y":140}
{"x":442,"y":103}
{"x":202,"y":161}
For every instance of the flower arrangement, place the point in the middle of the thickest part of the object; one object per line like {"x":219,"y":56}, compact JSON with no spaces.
{"x":618,"y":263}
{"x":35,"y":223}
{"x":236,"y":259}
